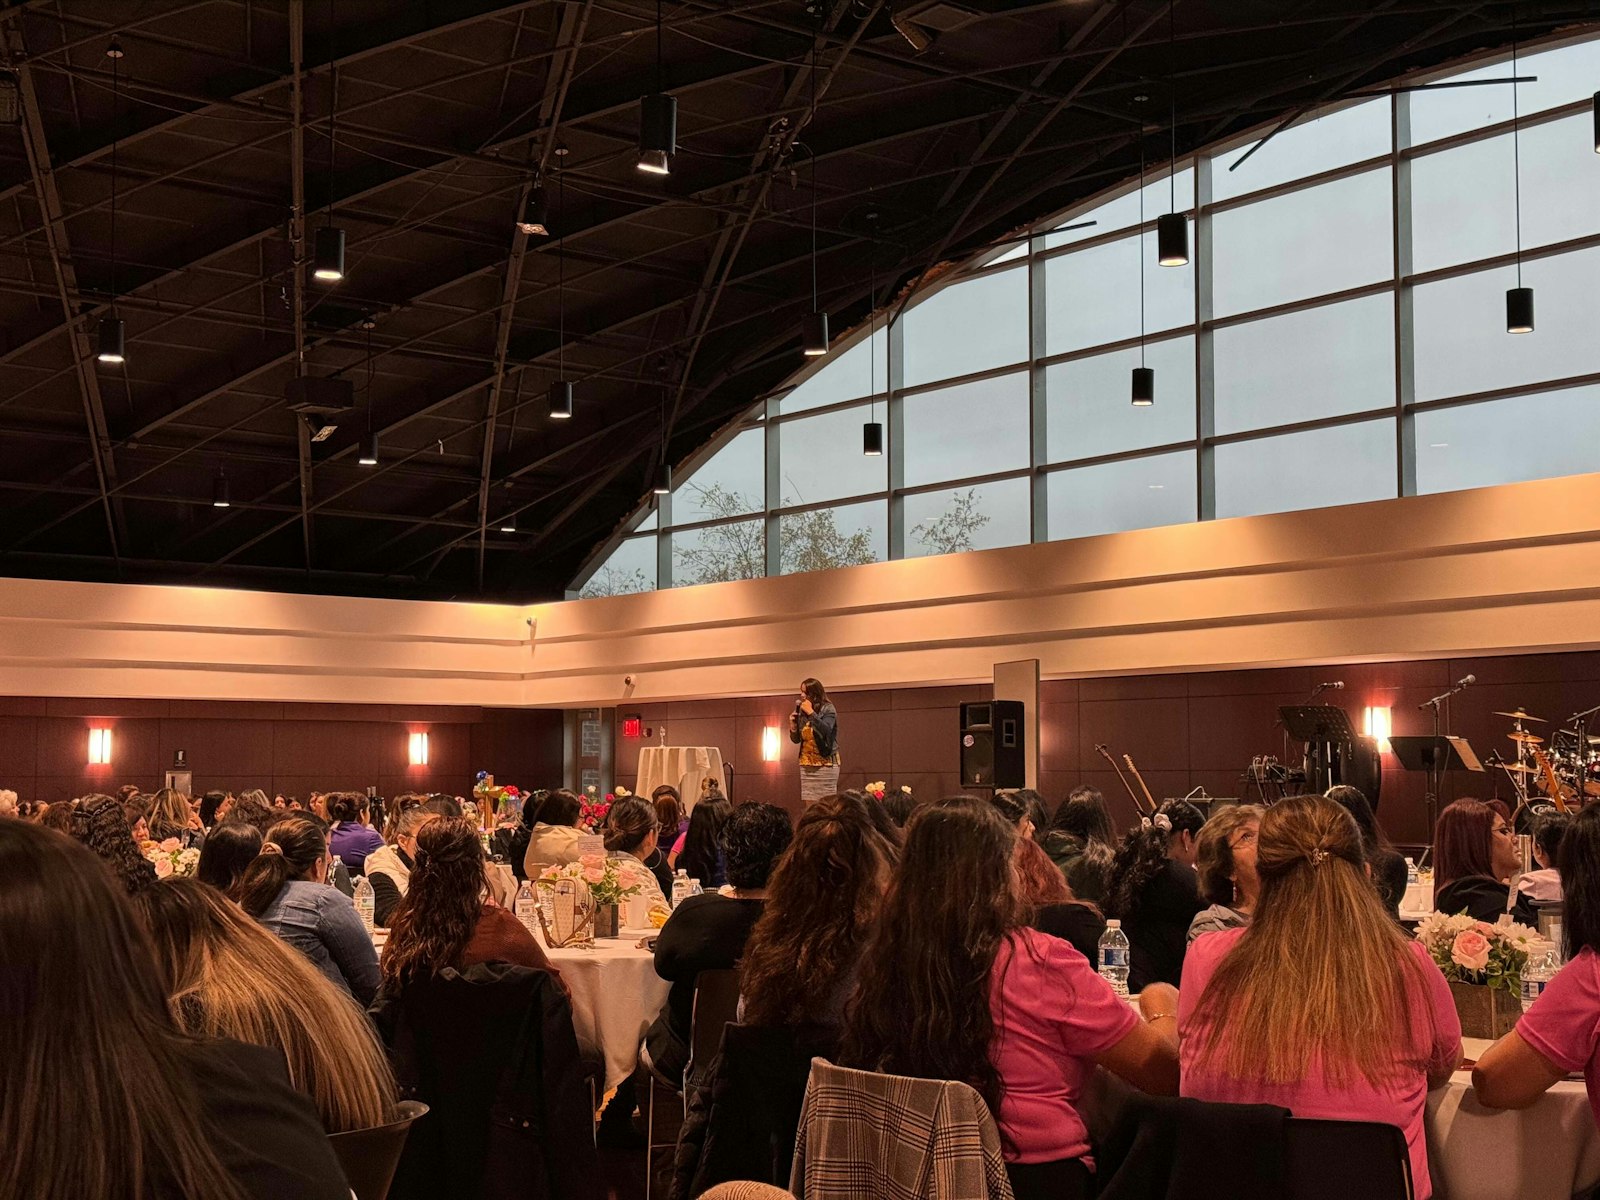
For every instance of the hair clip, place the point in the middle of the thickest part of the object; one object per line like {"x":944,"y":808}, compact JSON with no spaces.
{"x":1318,"y":856}
{"x":1163,"y":822}
{"x":271,"y":848}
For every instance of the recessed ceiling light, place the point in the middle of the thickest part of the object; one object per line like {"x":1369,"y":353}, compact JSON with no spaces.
{"x":1156,"y":487}
{"x":1438,"y":445}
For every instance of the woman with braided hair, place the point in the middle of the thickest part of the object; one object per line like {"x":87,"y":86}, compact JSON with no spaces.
{"x":1152,"y":889}
{"x":1321,"y":1004}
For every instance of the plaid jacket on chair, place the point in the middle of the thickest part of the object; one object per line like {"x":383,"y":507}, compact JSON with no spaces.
{"x":894,"y":1138}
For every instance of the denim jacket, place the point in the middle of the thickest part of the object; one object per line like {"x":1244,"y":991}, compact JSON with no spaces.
{"x":322,"y":924}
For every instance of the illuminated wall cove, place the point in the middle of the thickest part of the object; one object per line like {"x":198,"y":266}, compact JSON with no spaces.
{"x":1337,"y":336}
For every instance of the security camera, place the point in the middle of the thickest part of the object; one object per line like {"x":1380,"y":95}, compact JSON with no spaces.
{"x":627,"y":681}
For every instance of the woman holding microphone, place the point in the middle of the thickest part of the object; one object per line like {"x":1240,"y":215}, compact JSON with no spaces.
{"x":814,"y":727}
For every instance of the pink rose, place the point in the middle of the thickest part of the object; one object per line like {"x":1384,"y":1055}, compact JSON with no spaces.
{"x":593,"y":860}
{"x":1470,"y":951}
{"x":594,"y":874}
{"x":1483,"y":927}
{"x":163,"y":867}
{"x":171,"y":844}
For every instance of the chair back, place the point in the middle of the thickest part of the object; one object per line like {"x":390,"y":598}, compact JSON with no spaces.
{"x":745,"y":1190}
{"x":1333,"y":1160}
{"x":716,"y":1004}
{"x":369,"y":1156}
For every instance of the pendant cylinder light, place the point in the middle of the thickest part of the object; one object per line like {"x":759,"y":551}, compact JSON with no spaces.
{"x":369,"y":450}
{"x":814,"y":334}
{"x":1597,"y":122}
{"x":664,"y":480}
{"x":1144,"y":386}
{"x":327,"y":258}
{"x":219,"y":492}
{"x":658,"y":133}
{"x":1519,"y":310}
{"x":509,"y":523}
{"x":1172,"y":239}
{"x":561,"y":400}
{"x":110,"y":341}
{"x":535,"y":212}
{"x":872,"y":439}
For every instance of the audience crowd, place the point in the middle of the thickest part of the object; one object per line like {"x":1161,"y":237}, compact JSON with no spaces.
{"x":217,"y":1021}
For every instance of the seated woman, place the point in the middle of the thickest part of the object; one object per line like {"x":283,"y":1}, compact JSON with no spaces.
{"x":631,"y":833}
{"x":699,"y":851}
{"x":1561,"y":1032}
{"x":227,"y":977}
{"x":1029,"y":1040}
{"x":1225,"y":861}
{"x":350,"y":838}
{"x":87,"y":1042}
{"x":170,"y":816}
{"x":1051,"y":905}
{"x":1389,"y":870}
{"x":286,"y":889}
{"x":553,"y":841}
{"x":447,"y":917}
{"x":101,"y":823}
{"x":801,"y":959}
{"x":708,"y":932}
{"x":389,"y":867}
{"x":1153,"y":891}
{"x":229,"y":849}
{"x":1012,"y":807}
{"x":1081,"y":842}
{"x":1542,"y":886}
{"x":1321,"y":1004}
{"x":669,"y":809}
{"x":1474,"y":857}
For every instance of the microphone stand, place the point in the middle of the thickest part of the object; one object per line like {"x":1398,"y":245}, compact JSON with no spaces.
{"x":1437,"y":772}
{"x":1580,"y":722}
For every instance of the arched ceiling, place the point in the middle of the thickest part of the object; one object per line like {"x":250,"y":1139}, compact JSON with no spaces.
{"x":683,"y":294}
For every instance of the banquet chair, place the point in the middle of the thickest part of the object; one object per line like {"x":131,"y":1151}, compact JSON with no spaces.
{"x":369,"y":1156}
{"x":1333,"y":1160}
{"x":716,"y":1003}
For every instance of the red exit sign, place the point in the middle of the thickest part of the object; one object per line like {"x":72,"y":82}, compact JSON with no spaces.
{"x":632,"y":726}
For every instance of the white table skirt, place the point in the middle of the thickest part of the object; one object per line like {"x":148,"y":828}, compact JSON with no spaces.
{"x":683,"y":767}
{"x":616,"y":994}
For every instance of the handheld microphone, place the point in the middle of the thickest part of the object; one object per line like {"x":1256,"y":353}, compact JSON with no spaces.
{"x":1466,"y":680}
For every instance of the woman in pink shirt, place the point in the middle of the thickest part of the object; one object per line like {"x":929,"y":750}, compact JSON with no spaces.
{"x":1027,"y":1041}
{"x":1561,"y":1032}
{"x":1321,"y":1005}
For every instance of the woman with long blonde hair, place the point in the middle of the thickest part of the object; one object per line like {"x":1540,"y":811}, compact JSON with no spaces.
{"x":170,"y":816}
{"x":225,"y":976}
{"x":1321,"y":1004}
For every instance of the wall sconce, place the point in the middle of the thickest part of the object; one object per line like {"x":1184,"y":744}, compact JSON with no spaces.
{"x":419,"y":749}
{"x":99,"y":747}
{"x":1377,"y":726}
{"x":770,"y":744}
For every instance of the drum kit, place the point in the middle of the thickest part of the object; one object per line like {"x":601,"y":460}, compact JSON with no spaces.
{"x":1563,"y":772}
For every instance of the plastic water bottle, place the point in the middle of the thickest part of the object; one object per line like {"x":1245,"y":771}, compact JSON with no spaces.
{"x":682,"y":887}
{"x":1541,"y":969}
{"x":526,"y":908}
{"x":1114,"y":957}
{"x":1411,"y":872}
{"x":364,"y":901}
{"x":339,"y":876}
{"x":695,"y":889}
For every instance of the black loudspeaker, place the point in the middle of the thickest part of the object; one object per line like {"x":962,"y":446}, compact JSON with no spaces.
{"x":992,"y":745}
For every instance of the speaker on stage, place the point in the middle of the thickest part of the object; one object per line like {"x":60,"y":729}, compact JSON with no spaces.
{"x":992,"y":750}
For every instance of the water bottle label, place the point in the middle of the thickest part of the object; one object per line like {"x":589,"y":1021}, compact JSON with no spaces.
{"x":1113,"y":956}
{"x":1531,"y":990}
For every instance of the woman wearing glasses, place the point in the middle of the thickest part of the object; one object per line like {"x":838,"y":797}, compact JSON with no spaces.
{"x":1226,"y":863}
{"x":1474,"y":857}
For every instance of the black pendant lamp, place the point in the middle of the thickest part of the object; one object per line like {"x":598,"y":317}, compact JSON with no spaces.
{"x":1172,"y":227}
{"x":219,"y":491}
{"x":1143,"y":391}
{"x":561,"y":389}
{"x":658,"y":120}
{"x":1519,"y":299}
{"x":1596,"y":105}
{"x":369,"y":450}
{"x":872,"y":430}
{"x":814,"y":325}
{"x":1144,"y":387}
{"x":110,"y":336}
{"x":327,"y":253}
{"x":534,"y":220}
{"x":664,"y":480}
{"x":508,"y":523}
{"x":872,"y":439}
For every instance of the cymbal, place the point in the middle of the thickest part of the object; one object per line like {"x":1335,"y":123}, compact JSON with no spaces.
{"x":1518,"y":769}
{"x":1519,"y":715}
{"x":1530,"y":739}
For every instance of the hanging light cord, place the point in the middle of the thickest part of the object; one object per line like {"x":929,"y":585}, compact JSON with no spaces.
{"x":811,"y":122}
{"x":872,"y":324}
{"x":1172,"y":119}
{"x":660,"y":74}
{"x":1139,"y":254}
{"x":333,"y":105}
{"x":1516,"y":151}
{"x":561,"y":274}
{"x":116,"y":119}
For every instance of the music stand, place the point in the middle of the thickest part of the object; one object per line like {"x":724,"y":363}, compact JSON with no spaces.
{"x":1321,"y":727}
{"x":1436,"y":754}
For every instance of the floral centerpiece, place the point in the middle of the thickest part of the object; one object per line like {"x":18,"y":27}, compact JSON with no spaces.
{"x":1483,"y":964}
{"x":610,"y":881}
{"x":592,"y":813}
{"x":170,"y":859}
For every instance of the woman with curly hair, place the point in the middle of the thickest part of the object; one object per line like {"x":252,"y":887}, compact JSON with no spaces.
{"x":227,"y":977}
{"x":1154,"y":893}
{"x":822,"y":902}
{"x":101,"y":824}
{"x":1029,"y":1036}
{"x":447,"y":918}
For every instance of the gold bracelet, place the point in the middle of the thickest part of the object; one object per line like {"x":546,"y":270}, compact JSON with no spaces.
{"x":1151,"y":1020}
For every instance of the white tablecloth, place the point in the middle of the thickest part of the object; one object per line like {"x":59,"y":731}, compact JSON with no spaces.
{"x":683,"y":767}
{"x":1546,"y":1152}
{"x":616,"y":994}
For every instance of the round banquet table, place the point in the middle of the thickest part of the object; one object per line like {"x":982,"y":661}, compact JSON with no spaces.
{"x":616,"y":994}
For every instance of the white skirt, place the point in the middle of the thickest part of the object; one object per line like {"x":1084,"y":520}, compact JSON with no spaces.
{"x":817,"y":782}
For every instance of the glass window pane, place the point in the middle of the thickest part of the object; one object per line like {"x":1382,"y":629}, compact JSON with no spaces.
{"x":1160,"y":196}
{"x":1343,"y":362}
{"x":1309,"y":146}
{"x":1461,"y":341}
{"x":1089,"y":412}
{"x":730,"y":483}
{"x":1463,"y":199}
{"x":824,"y":538}
{"x":1134,"y":493}
{"x":631,"y":568}
{"x":1508,"y":440}
{"x":718,"y":553}
{"x":843,"y":375}
{"x":1092,"y":295}
{"x":1292,"y":247}
{"x":939,"y":429}
{"x":649,"y":521}
{"x":972,"y":325}
{"x":819,"y":458}
{"x":970,"y":518}
{"x":1346,"y":464}
{"x":1565,"y":74}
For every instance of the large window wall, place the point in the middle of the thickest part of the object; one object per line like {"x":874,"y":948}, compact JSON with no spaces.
{"x":1338,"y":336}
